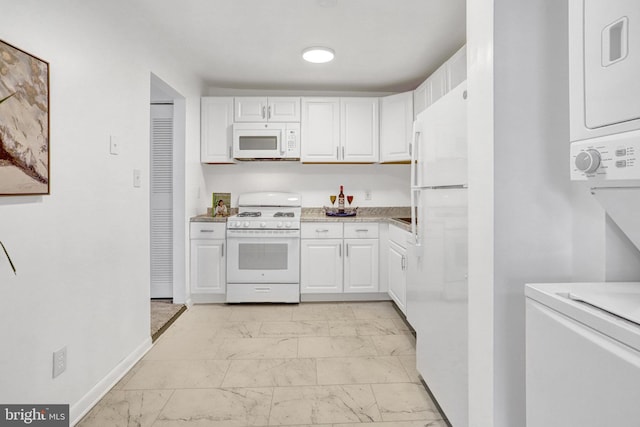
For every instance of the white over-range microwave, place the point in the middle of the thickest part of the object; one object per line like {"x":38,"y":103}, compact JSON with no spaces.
{"x":266,"y":141}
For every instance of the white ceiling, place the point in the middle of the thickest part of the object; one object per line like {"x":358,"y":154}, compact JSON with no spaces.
{"x":380,"y":45}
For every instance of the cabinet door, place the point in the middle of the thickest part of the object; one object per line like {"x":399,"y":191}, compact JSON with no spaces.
{"x":396,"y":120}
{"x":438,"y":84}
{"x":283,"y":109}
{"x":250,"y":109}
{"x":321,"y":266}
{"x":208,"y":266}
{"x":359,"y":126}
{"x":216,"y":129}
{"x":457,"y":68}
{"x":320,"y":125}
{"x":397,"y":259}
{"x":420,"y":99}
{"x":361,"y":265}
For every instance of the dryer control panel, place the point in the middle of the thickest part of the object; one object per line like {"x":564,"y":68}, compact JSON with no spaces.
{"x":610,"y":158}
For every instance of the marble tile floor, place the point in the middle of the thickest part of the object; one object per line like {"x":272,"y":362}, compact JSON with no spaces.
{"x":312,"y":364}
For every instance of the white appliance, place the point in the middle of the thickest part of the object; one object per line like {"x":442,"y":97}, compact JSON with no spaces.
{"x":583,"y":339}
{"x":266,"y":141}
{"x":263,"y":241}
{"x":583,"y":354}
{"x":437,"y":292}
{"x":605,"y":108}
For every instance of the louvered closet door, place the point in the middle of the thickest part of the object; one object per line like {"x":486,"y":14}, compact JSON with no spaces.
{"x":161,"y":201}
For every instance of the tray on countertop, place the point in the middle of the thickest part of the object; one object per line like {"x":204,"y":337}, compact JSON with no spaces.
{"x":336,"y":212}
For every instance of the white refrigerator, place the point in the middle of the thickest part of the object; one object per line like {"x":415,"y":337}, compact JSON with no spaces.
{"x":437,"y":291}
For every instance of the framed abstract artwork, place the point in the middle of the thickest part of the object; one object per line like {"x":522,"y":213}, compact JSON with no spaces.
{"x":24,"y":123}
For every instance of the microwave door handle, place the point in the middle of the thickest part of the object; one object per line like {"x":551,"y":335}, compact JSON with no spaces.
{"x":281,"y":141}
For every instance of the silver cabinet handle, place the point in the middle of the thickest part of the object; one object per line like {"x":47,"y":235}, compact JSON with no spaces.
{"x":362,"y":230}
{"x":206,"y":231}
{"x":347,"y":250}
{"x":343,"y":153}
{"x":264,"y":111}
{"x":322,"y":230}
{"x":337,"y":153}
{"x":269,"y":112}
{"x":222,"y":256}
{"x":403,"y":263}
{"x":340,"y":251}
{"x":262,"y":289}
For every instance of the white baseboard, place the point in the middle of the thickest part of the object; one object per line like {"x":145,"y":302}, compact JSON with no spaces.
{"x":369,"y":296}
{"x":89,"y":400}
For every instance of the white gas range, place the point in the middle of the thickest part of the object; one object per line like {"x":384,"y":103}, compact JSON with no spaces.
{"x":263,"y":240}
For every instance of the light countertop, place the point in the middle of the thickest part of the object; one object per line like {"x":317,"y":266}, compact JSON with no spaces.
{"x":369,"y":214}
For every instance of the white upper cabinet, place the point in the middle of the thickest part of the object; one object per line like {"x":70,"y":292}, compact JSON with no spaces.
{"x":267,"y":109}
{"x":457,"y":68}
{"x":448,"y":76}
{"x":420,"y":98}
{"x":396,"y":120}
{"x":216,"y":129}
{"x":320,"y":128}
{"x":340,"y":130}
{"x":359,"y":130}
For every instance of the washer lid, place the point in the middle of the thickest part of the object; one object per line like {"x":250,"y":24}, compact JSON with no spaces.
{"x":622,"y":304}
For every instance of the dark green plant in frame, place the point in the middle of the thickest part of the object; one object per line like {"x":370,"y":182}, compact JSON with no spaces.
{"x":9,"y":258}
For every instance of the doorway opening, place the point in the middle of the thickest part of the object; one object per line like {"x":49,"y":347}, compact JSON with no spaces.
{"x":167,"y":206}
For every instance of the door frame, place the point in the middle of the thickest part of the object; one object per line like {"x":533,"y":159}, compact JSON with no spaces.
{"x":163,"y":92}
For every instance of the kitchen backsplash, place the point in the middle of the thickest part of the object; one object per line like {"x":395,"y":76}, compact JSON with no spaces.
{"x":388,"y":184}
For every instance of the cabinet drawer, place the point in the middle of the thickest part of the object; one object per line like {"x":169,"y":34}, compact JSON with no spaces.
{"x":208,"y":230}
{"x":361,"y":230}
{"x":398,"y":235}
{"x":321,"y":230}
{"x":281,"y":292}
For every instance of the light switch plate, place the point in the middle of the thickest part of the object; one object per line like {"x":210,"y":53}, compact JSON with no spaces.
{"x":114,"y":145}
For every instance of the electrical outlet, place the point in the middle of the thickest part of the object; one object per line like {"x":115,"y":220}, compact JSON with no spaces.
{"x":367,"y":194}
{"x":59,"y":361}
{"x":137,"y":178}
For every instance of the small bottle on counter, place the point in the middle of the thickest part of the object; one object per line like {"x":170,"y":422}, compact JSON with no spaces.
{"x":341,"y":200}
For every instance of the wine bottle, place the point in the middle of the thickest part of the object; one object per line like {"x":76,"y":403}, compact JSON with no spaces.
{"x":341,"y":200}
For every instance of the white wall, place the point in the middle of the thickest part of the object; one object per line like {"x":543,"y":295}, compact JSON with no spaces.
{"x":528,"y":222}
{"x":82,"y":252}
{"x":388,"y":184}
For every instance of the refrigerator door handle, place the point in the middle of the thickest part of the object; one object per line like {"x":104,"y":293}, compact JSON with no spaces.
{"x":415,"y":236}
{"x":414,"y":154}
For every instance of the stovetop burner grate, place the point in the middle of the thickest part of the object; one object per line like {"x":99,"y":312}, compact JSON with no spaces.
{"x":284,"y":214}
{"x":250,"y":214}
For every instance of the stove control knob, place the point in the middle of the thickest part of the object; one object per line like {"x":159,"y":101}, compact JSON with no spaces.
{"x":263,"y":224}
{"x":246,"y":224}
{"x":237,"y":224}
{"x":287,"y":224}
{"x":280,"y":224}
{"x":588,"y":161}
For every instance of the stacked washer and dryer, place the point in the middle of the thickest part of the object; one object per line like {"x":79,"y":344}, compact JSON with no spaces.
{"x":583,"y":339}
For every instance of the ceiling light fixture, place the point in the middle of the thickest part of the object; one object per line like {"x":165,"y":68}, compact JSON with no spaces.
{"x":318,"y":55}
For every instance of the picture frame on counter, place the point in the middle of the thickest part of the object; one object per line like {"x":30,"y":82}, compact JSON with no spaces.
{"x":24,"y":123}
{"x":220,"y":204}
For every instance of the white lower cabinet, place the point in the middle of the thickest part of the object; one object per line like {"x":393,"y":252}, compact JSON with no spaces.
{"x":361,"y":265}
{"x":337,"y":259}
{"x":397,"y":266}
{"x":321,"y":266}
{"x":208,"y":261}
